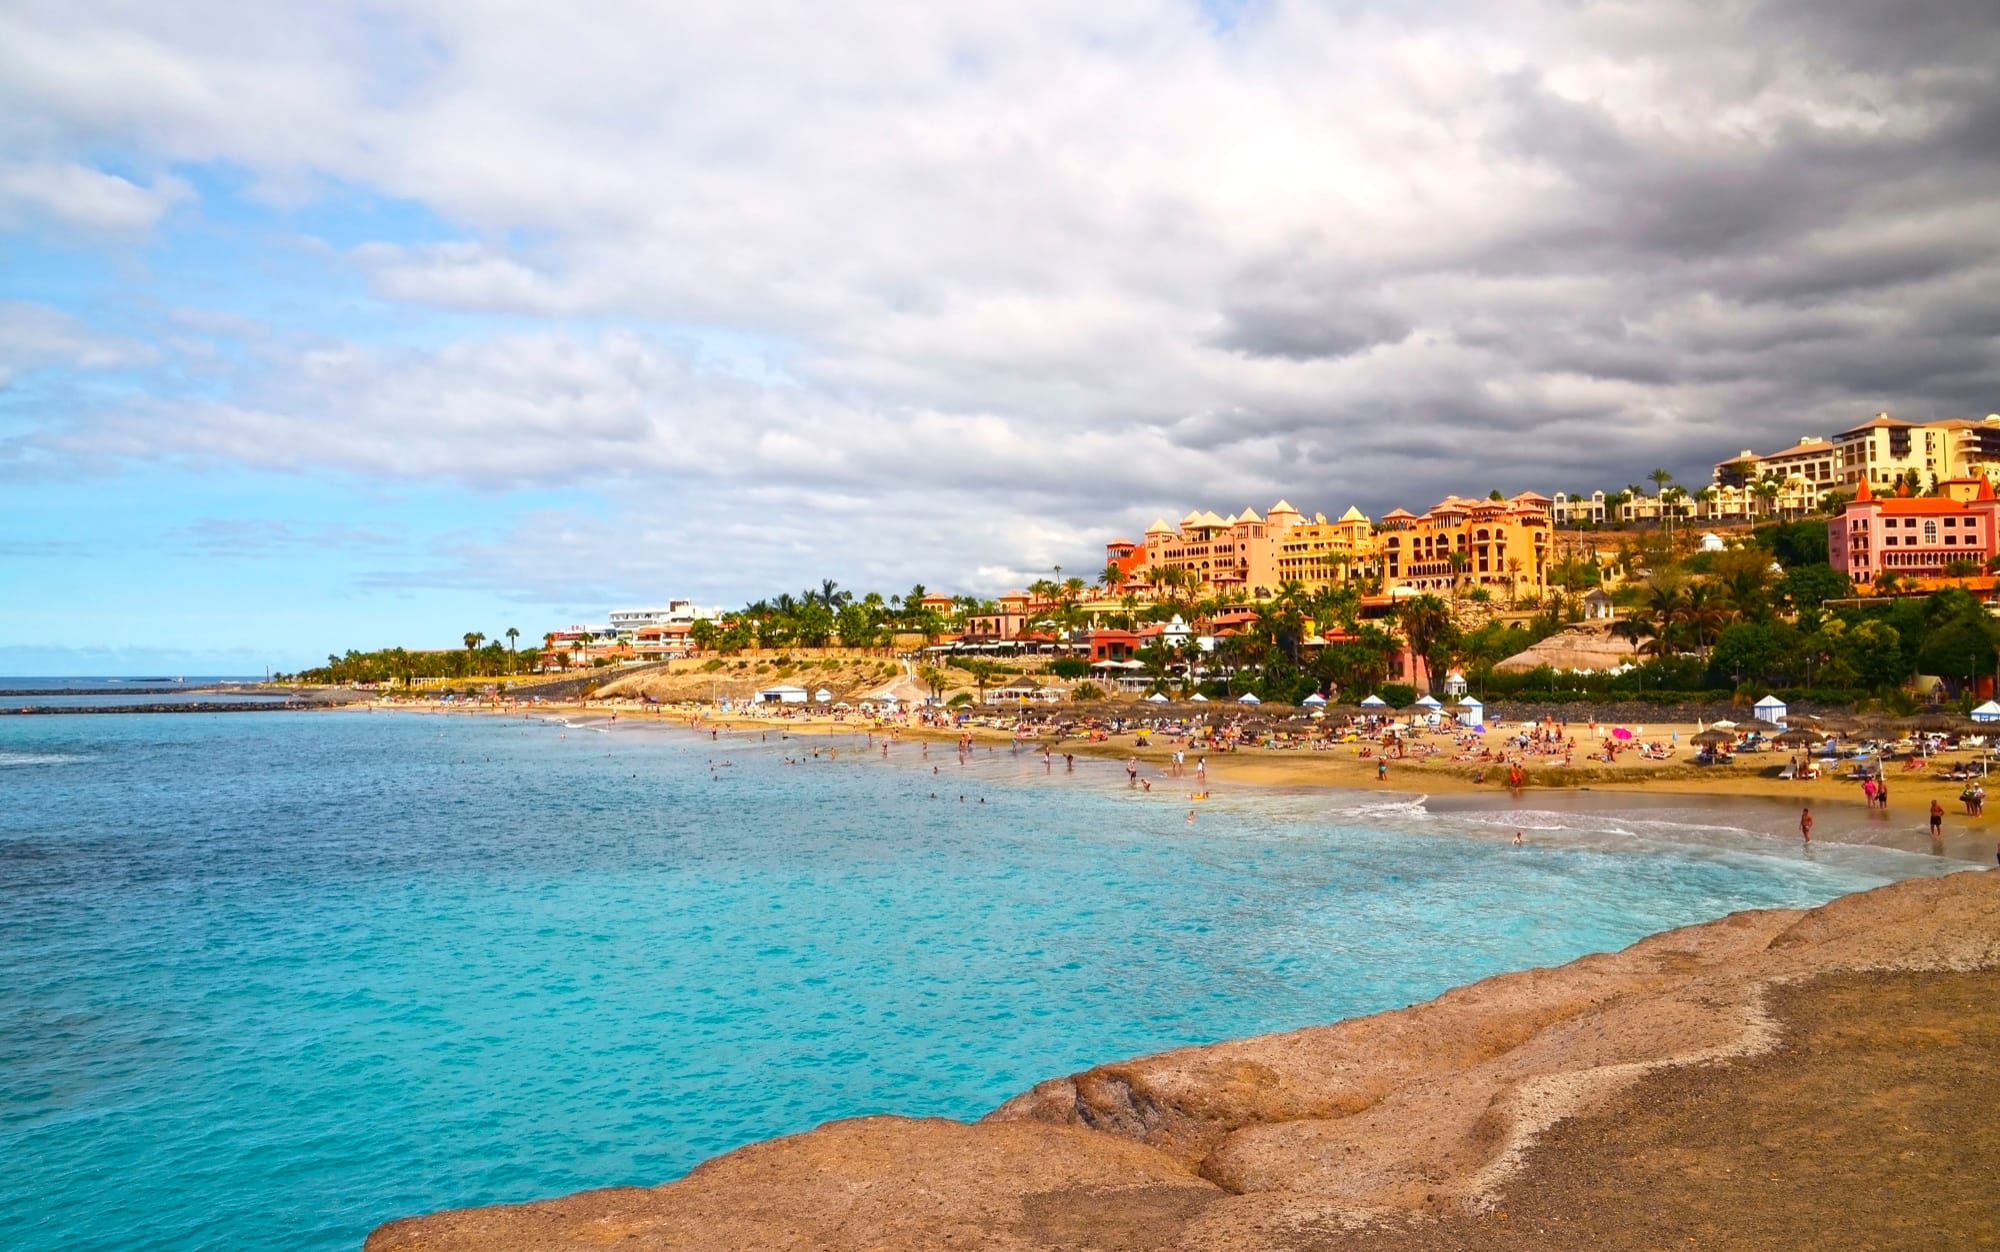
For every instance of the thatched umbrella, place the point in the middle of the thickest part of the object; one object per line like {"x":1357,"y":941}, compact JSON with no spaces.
{"x":1713,"y":738}
{"x":1758,"y":724}
{"x":1800,"y":737}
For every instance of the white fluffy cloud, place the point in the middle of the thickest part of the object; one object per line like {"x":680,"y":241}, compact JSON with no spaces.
{"x":1065,"y":264}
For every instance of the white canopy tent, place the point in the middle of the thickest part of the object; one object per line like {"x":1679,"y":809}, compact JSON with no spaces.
{"x":1315,"y":700}
{"x":1429,"y":702}
{"x":1248,"y":698}
{"x":1374,"y":702}
{"x":1156,"y":698}
{"x":1771,"y":709}
{"x":1987,"y":712}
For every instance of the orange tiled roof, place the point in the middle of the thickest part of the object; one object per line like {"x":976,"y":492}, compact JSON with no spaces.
{"x":1901,"y":506}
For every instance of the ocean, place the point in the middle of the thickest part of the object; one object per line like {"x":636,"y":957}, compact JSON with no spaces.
{"x":269,"y":979}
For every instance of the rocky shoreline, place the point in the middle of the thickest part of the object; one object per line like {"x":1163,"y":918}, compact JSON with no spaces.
{"x":1418,"y":1127}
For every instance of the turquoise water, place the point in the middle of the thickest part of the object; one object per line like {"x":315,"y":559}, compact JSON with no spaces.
{"x":267,"y":980}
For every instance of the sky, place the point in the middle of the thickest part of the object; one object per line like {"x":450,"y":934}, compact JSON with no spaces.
{"x":330,"y":325}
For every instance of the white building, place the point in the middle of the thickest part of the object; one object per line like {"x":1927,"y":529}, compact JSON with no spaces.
{"x":677,"y":612}
{"x":1569,"y":510}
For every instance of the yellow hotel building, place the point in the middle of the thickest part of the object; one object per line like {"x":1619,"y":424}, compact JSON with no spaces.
{"x":1499,"y":544}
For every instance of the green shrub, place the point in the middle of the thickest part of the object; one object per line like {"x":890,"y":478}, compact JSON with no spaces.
{"x":1070,"y":667}
{"x":1397,"y":695}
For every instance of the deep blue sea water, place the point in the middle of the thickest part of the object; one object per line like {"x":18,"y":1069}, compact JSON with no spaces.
{"x":267,"y":980}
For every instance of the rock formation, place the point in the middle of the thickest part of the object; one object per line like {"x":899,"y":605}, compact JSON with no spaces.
{"x":1409,"y":1120}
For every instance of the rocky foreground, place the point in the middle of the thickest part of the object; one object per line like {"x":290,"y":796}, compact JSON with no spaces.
{"x":1774,"y":1079}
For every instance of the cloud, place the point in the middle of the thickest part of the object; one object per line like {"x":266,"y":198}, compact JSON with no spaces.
{"x":1049,"y":269}
{"x":35,"y":336}
{"x":267,"y":537}
{"x":85,"y":199}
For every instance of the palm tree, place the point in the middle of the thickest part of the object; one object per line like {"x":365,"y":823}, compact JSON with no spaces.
{"x":512,"y":659}
{"x":1666,"y":608}
{"x":472,"y":641}
{"x":1461,"y":561}
{"x":1425,"y":620}
{"x":982,"y":672}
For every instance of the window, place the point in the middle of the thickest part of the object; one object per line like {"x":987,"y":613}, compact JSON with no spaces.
{"x":1930,"y":530}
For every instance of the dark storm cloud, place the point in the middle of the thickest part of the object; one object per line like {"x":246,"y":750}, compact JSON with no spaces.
{"x":1306,"y":328}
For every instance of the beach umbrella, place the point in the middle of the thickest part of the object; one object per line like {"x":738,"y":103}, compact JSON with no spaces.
{"x":1799,"y":738}
{"x":1713,"y":738}
{"x":1757,"y":724}
{"x":1725,"y":725}
{"x":1619,"y":732}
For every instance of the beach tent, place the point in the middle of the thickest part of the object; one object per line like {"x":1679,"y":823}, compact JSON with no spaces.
{"x":1198,"y":698}
{"x":1428,"y":702}
{"x":1314,"y":700}
{"x":1987,"y":712}
{"x":1471,"y":712}
{"x":1248,"y":698}
{"x":823,"y":696}
{"x":1771,"y":709}
{"x":1374,"y":702}
{"x":1156,"y":698}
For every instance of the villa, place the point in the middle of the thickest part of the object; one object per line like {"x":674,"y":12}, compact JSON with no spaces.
{"x":1912,"y":536}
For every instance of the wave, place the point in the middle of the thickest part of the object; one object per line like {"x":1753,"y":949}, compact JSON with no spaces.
{"x":1416,"y":807}
{"x":39,"y":758}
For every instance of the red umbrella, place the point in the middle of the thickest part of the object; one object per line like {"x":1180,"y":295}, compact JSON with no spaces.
{"x":1619,"y":732}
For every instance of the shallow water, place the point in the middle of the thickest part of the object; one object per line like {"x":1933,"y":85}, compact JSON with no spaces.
{"x":269,"y":979}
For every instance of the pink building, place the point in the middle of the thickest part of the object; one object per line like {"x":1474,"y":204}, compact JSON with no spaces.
{"x":1912,"y":537}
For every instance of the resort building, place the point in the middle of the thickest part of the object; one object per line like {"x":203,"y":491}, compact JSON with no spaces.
{"x":1499,"y":544}
{"x":1813,"y":459}
{"x":664,"y":642}
{"x":1221,"y":555}
{"x":1127,"y":558}
{"x":624,"y":622}
{"x":1322,"y":554}
{"x":1568,"y":510}
{"x":1912,"y":536}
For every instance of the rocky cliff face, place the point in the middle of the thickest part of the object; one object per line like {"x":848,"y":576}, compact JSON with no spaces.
{"x":1284,"y":1141}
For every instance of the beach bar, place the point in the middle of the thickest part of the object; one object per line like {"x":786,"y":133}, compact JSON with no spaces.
{"x":782,"y":695}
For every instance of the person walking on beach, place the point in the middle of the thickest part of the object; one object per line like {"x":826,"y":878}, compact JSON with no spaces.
{"x":1131,"y":770}
{"x":1805,"y":823}
{"x":1868,"y":791}
{"x":1937,"y":821}
{"x":1382,"y":770}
